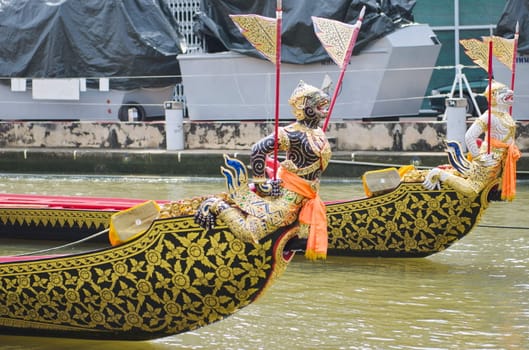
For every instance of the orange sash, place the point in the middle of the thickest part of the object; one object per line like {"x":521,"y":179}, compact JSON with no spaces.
{"x":312,"y":213}
{"x":508,"y":185}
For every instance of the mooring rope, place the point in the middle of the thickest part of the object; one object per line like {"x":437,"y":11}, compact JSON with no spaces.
{"x":506,"y":227}
{"x":65,"y":245}
{"x":106,"y":231}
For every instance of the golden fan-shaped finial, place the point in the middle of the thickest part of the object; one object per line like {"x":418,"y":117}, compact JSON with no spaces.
{"x":335,"y":37}
{"x":478,"y":50}
{"x":260,"y":31}
{"x":503,"y":49}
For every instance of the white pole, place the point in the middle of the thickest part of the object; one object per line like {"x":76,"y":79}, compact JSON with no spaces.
{"x":456,"y":32}
{"x":455,"y":113}
{"x":456,"y":120}
{"x":174,"y":125}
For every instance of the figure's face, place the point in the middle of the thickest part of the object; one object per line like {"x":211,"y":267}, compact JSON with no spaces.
{"x":309,"y":103}
{"x":501,"y":95}
{"x":504,"y":96}
{"x":317,"y":106}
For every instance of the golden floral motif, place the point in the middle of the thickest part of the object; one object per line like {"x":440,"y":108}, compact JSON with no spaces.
{"x":153,"y":257}
{"x":63,"y":316}
{"x":181,"y":281}
{"x":23,"y":281}
{"x":144,"y":287}
{"x":195,"y":252}
{"x":421,"y":224}
{"x":98,"y":317}
{"x":453,"y":220}
{"x":12,"y":298}
{"x":173,"y":308}
{"x":174,"y":278}
{"x":107,"y":295}
{"x":43,"y":298}
{"x":56,"y":279}
{"x":72,"y":295}
{"x":441,"y":242}
{"x":32,"y":314}
{"x":133,"y":319}
{"x":408,"y":221}
{"x":237,"y":247}
{"x":391,"y":226}
{"x":224,"y":273}
{"x":120,"y":269}
{"x":85,"y":275}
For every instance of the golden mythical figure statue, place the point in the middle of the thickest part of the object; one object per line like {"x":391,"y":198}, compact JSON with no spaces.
{"x":487,"y":161}
{"x":251,"y":211}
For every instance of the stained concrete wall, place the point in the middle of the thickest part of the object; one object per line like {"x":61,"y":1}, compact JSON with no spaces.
{"x":413,"y":136}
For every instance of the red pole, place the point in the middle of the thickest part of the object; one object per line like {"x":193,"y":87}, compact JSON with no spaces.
{"x":489,"y":97}
{"x":514,"y":54}
{"x":279,"y":15}
{"x":335,"y":95}
{"x":347,"y":58}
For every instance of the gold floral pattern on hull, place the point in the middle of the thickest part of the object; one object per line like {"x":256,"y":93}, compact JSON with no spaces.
{"x":174,"y":278}
{"x":406,"y":222}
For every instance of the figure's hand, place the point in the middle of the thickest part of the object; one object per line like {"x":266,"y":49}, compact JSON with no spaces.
{"x":432,"y":180}
{"x":487,"y":159}
{"x":206,"y":214}
{"x":269,"y":188}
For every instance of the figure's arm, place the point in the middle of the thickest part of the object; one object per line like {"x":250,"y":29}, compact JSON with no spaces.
{"x":473,"y":133}
{"x":260,"y":150}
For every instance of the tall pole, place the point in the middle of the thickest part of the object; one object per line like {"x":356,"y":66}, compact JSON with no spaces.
{"x":457,"y":58}
{"x":279,"y":16}
{"x":343,"y":65}
{"x":489,"y":97}
{"x":514,"y":54}
{"x":264,"y":33}
{"x":456,"y":32}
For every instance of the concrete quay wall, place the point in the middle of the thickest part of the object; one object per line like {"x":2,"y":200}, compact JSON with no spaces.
{"x":140,"y":148}
{"x":348,"y":136}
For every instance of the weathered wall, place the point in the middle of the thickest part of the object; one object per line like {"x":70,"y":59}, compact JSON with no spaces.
{"x":82,"y":135}
{"x":420,"y":136}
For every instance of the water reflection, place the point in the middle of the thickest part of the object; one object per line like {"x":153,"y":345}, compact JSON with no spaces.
{"x":474,"y":295}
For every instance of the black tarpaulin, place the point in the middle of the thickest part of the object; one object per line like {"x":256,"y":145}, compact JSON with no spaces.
{"x":515,"y":11}
{"x":90,"y":38}
{"x":299,"y":43}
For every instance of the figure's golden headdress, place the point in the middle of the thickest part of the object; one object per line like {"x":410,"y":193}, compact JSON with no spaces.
{"x":498,"y":93}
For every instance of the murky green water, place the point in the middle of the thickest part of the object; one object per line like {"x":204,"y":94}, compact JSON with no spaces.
{"x":475,"y":295}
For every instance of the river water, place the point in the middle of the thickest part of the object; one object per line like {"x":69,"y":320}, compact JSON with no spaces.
{"x":475,"y":295}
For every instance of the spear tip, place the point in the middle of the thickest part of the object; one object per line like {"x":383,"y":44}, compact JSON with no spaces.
{"x":362,"y":12}
{"x":517,"y":30}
